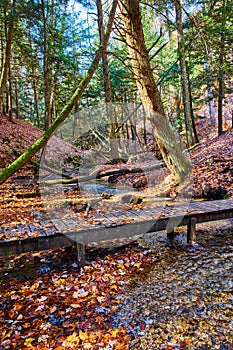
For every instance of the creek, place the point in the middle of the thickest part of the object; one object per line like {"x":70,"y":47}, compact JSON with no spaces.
{"x":100,"y":186}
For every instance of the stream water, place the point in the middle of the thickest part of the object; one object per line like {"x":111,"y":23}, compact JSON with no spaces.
{"x":185,"y":295}
{"x":100,"y":187}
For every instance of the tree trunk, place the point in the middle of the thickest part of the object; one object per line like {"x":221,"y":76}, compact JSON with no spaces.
{"x":221,"y":86}
{"x":11,"y":115}
{"x":36,"y":108}
{"x":2,"y":47}
{"x":210,"y":94}
{"x":211,"y":105}
{"x":32,"y":150}
{"x":172,"y":154}
{"x":220,"y":102}
{"x":17,"y":112}
{"x":7,"y":58}
{"x":107,"y":88}
{"x":46,"y":70}
{"x":196,"y":140}
{"x":184,"y":80}
{"x":34,"y":87}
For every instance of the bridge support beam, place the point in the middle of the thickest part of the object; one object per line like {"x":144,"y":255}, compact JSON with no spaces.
{"x":81,"y":255}
{"x":171,"y":237}
{"x":191,"y":234}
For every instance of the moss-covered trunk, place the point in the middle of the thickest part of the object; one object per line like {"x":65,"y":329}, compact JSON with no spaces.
{"x":31,"y":151}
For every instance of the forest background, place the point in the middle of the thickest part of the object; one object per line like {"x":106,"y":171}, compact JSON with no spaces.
{"x":180,"y":70}
{"x":47,"y":47}
{"x":51,"y":72}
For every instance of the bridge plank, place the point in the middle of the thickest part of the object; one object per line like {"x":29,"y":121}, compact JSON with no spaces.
{"x":113,"y":225}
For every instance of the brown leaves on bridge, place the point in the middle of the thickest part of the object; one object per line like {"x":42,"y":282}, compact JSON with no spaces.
{"x":46,"y":305}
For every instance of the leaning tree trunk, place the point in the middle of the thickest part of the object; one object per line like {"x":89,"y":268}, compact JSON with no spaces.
{"x":32,"y":150}
{"x":172,"y":154}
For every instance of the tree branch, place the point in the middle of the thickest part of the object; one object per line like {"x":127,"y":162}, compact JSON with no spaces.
{"x":156,"y":41}
{"x":158,"y":51}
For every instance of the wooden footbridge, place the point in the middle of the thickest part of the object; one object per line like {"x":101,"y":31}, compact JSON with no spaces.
{"x":50,"y":234}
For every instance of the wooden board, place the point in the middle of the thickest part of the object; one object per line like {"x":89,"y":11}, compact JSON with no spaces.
{"x":114,"y":225}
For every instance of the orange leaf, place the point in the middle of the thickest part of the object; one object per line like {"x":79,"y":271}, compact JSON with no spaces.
{"x":17,"y":307}
{"x":28,"y":342}
{"x":71,"y":340}
{"x":53,"y":309}
{"x":75,"y":306}
{"x":11,"y":313}
{"x":101,"y":299}
{"x":83,"y":335}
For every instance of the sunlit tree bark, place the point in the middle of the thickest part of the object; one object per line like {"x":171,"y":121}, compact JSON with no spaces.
{"x":172,"y":154}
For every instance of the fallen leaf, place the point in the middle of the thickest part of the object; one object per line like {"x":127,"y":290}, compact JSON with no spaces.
{"x":53,"y":309}
{"x":83,"y":335}
{"x":75,"y":306}
{"x":28,"y":342}
{"x":80,"y":295}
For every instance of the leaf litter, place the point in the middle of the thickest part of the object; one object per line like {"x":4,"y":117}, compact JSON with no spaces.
{"x":186,"y":300}
{"x":135,"y":298}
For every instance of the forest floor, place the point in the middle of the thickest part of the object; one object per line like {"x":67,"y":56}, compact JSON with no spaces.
{"x":211,"y":176}
{"x":211,"y":159}
{"x":46,"y":303}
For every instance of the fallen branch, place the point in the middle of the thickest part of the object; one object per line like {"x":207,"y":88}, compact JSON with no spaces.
{"x":100,"y":174}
